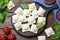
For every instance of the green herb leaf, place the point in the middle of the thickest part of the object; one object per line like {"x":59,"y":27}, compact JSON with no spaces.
{"x":6,"y":13}
{"x":3,"y":3}
{"x":56,"y":36}
{"x":24,"y":6}
{"x":1,"y":17}
{"x":39,"y":25}
{"x":57,"y":32}
{"x":3,"y":12}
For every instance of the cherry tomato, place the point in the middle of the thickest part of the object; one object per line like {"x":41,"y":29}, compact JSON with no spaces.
{"x":3,"y":37}
{"x":6,"y":29}
{"x":11,"y":37}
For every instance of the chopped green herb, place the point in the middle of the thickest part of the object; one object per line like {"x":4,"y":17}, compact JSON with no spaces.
{"x":57,"y":31}
{"x":24,"y":6}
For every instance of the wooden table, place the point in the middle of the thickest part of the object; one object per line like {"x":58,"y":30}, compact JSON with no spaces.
{"x":18,"y":37}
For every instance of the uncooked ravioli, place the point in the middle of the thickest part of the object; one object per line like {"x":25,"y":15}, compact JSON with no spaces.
{"x":25,"y":27}
{"x":33,"y":22}
{"x":34,"y":28}
{"x":15,"y":18}
{"x":21,"y":18}
{"x":18,"y":25}
{"x":41,"y":11}
{"x":18,"y":11}
{"x":26,"y":12}
{"x":32,"y":7}
{"x":10,"y":5}
{"x":35,"y":13}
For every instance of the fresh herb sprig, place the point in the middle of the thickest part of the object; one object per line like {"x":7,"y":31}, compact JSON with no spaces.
{"x":57,"y":31}
{"x":3,"y":12}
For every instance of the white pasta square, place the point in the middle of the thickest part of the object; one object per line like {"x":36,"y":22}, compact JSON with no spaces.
{"x":44,"y":21}
{"x":34,"y":28}
{"x":15,"y":18}
{"x":35,"y":13}
{"x":21,"y":18}
{"x":19,"y":11}
{"x":32,"y":7}
{"x":31,"y":20}
{"x":49,"y":31}
{"x":10,"y":5}
{"x":25,"y":27}
{"x":41,"y":20}
{"x":41,"y":38}
{"x":18,"y":25}
{"x":41,"y":11}
{"x":26,"y":12}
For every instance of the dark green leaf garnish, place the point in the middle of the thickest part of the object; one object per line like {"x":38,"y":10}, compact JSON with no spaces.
{"x":3,"y":12}
{"x":6,"y":13}
{"x":3,"y":3}
{"x":1,"y":17}
{"x":57,"y":31}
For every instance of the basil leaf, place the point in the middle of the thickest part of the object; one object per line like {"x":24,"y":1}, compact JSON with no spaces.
{"x":1,"y":2}
{"x":24,"y":6}
{"x":56,"y":36}
{"x":1,"y":18}
{"x":3,"y":12}
{"x":39,"y":25}
{"x":57,"y":32}
{"x":6,"y":13}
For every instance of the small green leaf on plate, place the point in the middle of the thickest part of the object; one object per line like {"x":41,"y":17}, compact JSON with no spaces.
{"x":24,"y":6}
{"x":39,"y":25}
